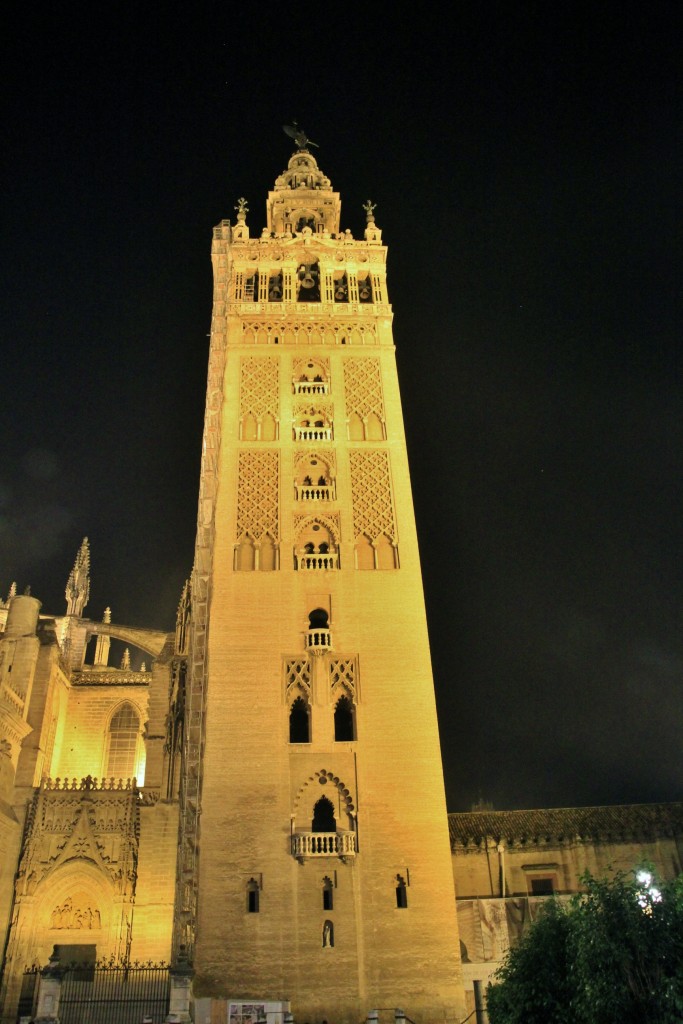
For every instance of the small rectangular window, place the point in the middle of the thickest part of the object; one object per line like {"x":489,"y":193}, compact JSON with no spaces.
{"x":542,"y":887}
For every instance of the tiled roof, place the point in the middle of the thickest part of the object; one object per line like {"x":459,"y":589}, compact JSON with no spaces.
{"x":566,"y":824}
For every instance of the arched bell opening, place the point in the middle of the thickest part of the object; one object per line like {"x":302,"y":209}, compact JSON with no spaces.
{"x":308,"y":281}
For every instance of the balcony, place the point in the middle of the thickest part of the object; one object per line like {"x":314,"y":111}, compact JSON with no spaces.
{"x":318,"y":641}
{"x":313,"y":433}
{"x":314,"y":492}
{"x":311,"y":387}
{"x":317,"y":561}
{"x":323,"y":844}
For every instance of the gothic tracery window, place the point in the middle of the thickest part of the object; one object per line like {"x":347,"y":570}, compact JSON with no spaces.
{"x":122,"y":746}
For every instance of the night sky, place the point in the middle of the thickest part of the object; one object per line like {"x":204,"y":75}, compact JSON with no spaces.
{"x":525,"y":164}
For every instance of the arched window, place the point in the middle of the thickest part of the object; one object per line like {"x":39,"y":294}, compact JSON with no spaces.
{"x":124,"y":730}
{"x":343,"y":720}
{"x":328,"y":894}
{"x":252,"y":896}
{"x":267,"y":554}
{"x":323,"y":816}
{"x":299,"y":722}
{"x":401,"y":893}
{"x":244,"y":555}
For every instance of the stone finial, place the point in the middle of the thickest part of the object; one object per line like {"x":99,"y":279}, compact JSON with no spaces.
{"x":107,"y":615}
{"x":242,"y":208}
{"x":12,"y":592}
{"x":78,"y":585}
{"x":125,"y":660}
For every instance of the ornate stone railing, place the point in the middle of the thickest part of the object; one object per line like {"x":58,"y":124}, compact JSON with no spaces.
{"x":311,"y":387}
{"x":330,"y":561}
{"x":318,"y":641}
{"x":315,"y":492}
{"x":323,"y":844}
{"x":10,"y":696}
{"x":89,"y":783}
{"x":313,"y":433}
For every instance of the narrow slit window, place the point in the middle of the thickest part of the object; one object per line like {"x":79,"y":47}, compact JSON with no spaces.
{"x":252,"y":897}
{"x":401,"y":893}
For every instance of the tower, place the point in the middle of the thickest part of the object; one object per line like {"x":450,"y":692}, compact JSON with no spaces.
{"x":315,"y":862}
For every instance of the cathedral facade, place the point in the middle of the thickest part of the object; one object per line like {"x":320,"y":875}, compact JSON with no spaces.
{"x":260,"y":802}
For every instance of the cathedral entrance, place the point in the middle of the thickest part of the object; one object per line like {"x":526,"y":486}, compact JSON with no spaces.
{"x":105,"y":993}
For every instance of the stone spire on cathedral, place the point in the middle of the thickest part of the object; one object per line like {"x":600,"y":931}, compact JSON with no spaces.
{"x":78,"y":585}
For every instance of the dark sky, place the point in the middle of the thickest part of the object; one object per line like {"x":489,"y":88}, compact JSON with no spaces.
{"x":525,"y":164}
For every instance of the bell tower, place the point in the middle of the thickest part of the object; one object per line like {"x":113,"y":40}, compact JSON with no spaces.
{"x":315,"y":861}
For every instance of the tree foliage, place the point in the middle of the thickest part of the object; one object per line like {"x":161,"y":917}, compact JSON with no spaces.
{"x":612,"y":955}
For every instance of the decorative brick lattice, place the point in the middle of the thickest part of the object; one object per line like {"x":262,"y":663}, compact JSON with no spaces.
{"x":363,"y":388}
{"x":259,"y":388}
{"x":343,"y":676}
{"x":257,"y":494}
{"x":373,"y":513}
{"x":297,"y":677}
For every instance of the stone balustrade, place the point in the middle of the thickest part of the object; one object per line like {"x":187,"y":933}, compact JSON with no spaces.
{"x":313,"y":433}
{"x":317,"y":561}
{"x":318,"y":641}
{"x":317,"y":492}
{"x":323,"y":844}
{"x":89,"y":783}
{"x":311,"y":387}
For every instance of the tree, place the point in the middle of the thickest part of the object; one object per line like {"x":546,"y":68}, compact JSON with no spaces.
{"x":613,"y":955}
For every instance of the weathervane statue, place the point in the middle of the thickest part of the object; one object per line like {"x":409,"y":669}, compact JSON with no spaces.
{"x":299,"y":136}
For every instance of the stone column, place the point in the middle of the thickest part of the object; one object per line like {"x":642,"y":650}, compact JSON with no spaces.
{"x":181,"y":979}
{"x":49,"y":988}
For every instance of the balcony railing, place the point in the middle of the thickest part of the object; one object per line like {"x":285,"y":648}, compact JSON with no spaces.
{"x":330,"y":561}
{"x":314,"y":492}
{"x":323,"y":844}
{"x":313,"y":433}
{"x":311,"y":387}
{"x":318,"y":641}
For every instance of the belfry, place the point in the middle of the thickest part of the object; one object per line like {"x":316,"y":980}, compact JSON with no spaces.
{"x":315,"y":864}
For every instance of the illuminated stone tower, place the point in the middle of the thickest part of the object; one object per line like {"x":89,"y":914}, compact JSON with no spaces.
{"x":315,"y":863}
